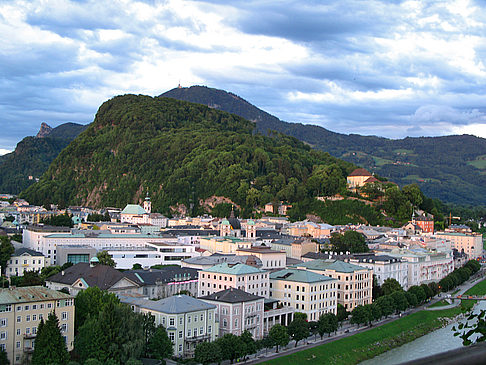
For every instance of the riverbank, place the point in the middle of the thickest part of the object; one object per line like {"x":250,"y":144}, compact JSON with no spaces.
{"x":375,"y":341}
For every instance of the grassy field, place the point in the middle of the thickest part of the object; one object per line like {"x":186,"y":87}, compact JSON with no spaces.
{"x":478,"y":289}
{"x":479,"y":162}
{"x":366,"y":345}
{"x":440,"y":303}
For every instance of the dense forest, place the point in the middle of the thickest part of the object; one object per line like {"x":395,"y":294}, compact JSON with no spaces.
{"x":450,"y":168}
{"x":32,"y":157}
{"x":180,"y":153}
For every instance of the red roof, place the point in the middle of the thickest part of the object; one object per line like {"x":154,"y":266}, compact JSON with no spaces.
{"x":371,"y":180}
{"x":360,"y":172}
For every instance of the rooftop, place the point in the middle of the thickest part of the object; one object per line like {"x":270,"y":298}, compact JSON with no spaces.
{"x":133,"y":209}
{"x":176,"y":304}
{"x":234,"y":269}
{"x":360,"y":172}
{"x":231,"y":295}
{"x":29,"y":294}
{"x":334,"y":265}
{"x":23,"y":250}
{"x":301,"y":276}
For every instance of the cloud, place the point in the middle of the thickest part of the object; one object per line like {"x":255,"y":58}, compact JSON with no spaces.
{"x":390,"y":68}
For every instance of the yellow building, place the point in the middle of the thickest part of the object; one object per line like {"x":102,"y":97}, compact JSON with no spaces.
{"x":223,"y":244}
{"x":21,"y":310}
{"x":354,"y":283}
{"x":308,"y":292}
{"x":358,"y":178}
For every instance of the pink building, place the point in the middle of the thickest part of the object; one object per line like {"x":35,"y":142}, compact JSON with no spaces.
{"x":238,"y":311}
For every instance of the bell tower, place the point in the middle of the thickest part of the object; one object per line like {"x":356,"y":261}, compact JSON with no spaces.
{"x":147,"y":204}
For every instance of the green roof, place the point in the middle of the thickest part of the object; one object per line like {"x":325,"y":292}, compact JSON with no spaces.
{"x":29,"y":294}
{"x":335,"y":265}
{"x":301,"y":276}
{"x":234,"y":269}
{"x":133,"y":209}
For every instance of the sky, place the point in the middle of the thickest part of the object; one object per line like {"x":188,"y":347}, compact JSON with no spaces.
{"x":387,"y":68}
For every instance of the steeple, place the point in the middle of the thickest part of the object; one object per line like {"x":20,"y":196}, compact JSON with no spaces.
{"x":147,"y":204}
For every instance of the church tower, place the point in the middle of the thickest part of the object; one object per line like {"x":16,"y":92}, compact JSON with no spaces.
{"x":147,"y":204}
{"x":250,"y":229}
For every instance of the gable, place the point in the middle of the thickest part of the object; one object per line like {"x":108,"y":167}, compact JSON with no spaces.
{"x":124,"y":283}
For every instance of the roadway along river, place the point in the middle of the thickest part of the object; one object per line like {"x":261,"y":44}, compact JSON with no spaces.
{"x":435,"y":342}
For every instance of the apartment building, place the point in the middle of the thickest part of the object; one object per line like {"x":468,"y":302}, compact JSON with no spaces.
{"x":271,"y":259}
{"x":384,"y":267}
{"x":21,"y":310}
{"x":24,"y":259}
{"x":189,"y":321}
{"x":354,"y":283}
{"x":469,"y":243}
{"x":225,"y":245}
{"x":307,"y":292}
{"x":240,"y":276}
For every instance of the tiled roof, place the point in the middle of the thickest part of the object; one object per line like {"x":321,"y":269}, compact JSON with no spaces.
{"x":176,"y":304}
{"x":165,"y":275}
{"x":301,"y":276}
{"x":21,"y":251}
{"x":29,"y":294}
{"x":234,"y":269}
{"x":231,"y":295}
{"x":360,"y":172}
{"x":335,"y":265}
{"x":101,"y":276}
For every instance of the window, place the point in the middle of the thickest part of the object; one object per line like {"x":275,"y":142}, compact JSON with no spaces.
{"x":202,"y":317}
{"x":40,"y":316}
{"x":171,"y":336}
{"x":189,"y":331}
{"x":19,"y":319}
{"x":27,"y":317}
{"x":42,"y":306}
{"x":17,"y":344}
{"x":34,"y":330}
{"x":19,"y":308}
{"x":188,"y":319}
{"x":2,"y":346}
{"x":27,"y":330}
{"x":209,"y":329}
{"x":180,"y":348}
{"x":34,"y":317}
{"x":18,"y":331}
{"x":195,"y":318}
{"x":180,"y":334}
{"x":225,"y":323}
{"x":3,"y":322}
{"x":49,"y":305}
{"x":236,"y":322}
{"x":26,"y":308}
{"x":64,"y":316}
{"x":201,"y":330}
{"x":171,"y":321}
{"x":3,"y":335}
{"x":209,"y":315}
{"x":64,"y":327}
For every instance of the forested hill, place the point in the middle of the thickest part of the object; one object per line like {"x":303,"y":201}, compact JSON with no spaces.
{"x":180,"y":153}
{"x":451,"y":168}
{"x":33,"y":155}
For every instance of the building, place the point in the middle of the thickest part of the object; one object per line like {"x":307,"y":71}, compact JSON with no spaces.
{"x":310,"y":229}
{"x":168,"y":281}
{"x":308,"y":292}
{"x":239,"y":276}
{"x":270,"y":259}
{"x":74,"y":254}
{"x":189,"y":321}
{"x":425,"y":223}
{"x":384,"y":267}
{"x":469,"y":243}
{"x":358,"y":178}
{"x":224,"y":245}
{"x":82,"y":276}
{"x":21,"y":310}
{"x":354,"y":283}
{"x":24,"y":259}
{"x":302,"y":246}
{"x":238,"y":311}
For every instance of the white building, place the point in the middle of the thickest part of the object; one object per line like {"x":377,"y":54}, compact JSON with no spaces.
{"x":24,"y":259}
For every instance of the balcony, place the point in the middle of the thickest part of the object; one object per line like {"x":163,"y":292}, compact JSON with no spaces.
{"x":28,"y":350}
{"x":198,"y":338}
{"x":29,"y":335}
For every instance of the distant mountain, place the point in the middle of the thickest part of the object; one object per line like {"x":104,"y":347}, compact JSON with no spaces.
{"x":450,"y":168}
{"x":20,"y":168}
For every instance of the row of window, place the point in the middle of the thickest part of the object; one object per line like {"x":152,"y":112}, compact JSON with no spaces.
{"x":26,"y":262}
{"x":189,"y":319}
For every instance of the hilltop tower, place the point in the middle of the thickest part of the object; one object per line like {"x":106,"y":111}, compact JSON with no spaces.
{"x":147,"y":204}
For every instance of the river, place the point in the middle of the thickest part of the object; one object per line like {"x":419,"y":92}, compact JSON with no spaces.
{"x":433,"y":343}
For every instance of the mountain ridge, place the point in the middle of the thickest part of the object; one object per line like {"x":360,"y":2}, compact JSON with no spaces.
{"x":451,"y":168}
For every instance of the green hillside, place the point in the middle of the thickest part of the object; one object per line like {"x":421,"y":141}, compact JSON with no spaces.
{"x":449,"y":168}
{"x":180,"y":153}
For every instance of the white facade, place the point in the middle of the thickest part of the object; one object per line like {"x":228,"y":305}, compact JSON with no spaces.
{"x":26,"y":261}
{"x":386,"y":268}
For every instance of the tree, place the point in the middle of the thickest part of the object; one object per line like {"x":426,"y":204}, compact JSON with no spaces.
{"x":419,"y":293}
{"x":137,"y":266}
{"x":434,"y":287}
{"x":232,"y":347}
{"x":351,"y":241}
{"x":390,"y":285}
{"x":30,"y":278}
{"x":342,"y":313}
{"x":105,"y":259}
{"x":159,"y":345}
{"x":90,"y":302}
{"x":6,"y":251}
{"x":298,"y":329}
{"x":207,"y":353}
{"x":400,"y":301}
{"x":376,"y":290}
{"x":427,"y":290}
{"x":250,"y":345}
{"x":411,"y":299}
{"x":327,"y":323}
{"x":376,"y":312}
{"x":386,"y":304}
{"x":413,"y":194}
{"x":50,"y":347}
{"x":3,"y":357}
{"x":279,"y":335}
{"x":360,"y":315}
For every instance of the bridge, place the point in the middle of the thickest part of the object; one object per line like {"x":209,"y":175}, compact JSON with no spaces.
{"x":470,"y":297}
